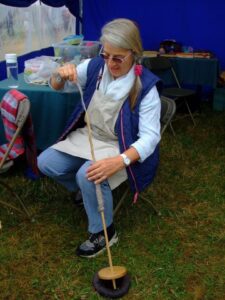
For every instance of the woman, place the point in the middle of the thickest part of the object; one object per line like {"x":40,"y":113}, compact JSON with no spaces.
{"x":124,"y":109}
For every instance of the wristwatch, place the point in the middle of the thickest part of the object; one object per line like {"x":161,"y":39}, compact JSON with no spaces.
{"x":58,"y":78}
{"x":126,"y":159}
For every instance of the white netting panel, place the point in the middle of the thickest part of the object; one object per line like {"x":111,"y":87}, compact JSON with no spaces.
{"x":23,"y":30}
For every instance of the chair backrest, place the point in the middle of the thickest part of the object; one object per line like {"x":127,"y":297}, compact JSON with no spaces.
{"x":160,"y":65}
{"x":23,"y":112}
{"x":168,"y":109}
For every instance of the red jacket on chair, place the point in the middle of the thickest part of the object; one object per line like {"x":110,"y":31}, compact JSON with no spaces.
{"x":25,"y":142}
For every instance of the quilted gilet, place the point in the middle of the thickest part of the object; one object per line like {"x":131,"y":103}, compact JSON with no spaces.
{"x":140,"y":175}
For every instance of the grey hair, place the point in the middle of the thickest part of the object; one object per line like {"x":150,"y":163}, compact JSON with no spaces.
{"x":123,"y":33}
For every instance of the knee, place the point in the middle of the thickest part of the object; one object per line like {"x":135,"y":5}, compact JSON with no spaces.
{"x":81,"y":177}
{"x":45,"y":163}
{"x":41,"y":163}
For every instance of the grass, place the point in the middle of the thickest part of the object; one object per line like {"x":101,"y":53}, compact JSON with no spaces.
{"x":179,"y":255}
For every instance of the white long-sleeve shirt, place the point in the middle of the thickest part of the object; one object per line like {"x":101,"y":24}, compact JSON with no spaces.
{"x":150,"y":107}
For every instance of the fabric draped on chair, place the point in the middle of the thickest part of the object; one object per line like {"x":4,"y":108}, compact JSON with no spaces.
{"x":25,"y":142}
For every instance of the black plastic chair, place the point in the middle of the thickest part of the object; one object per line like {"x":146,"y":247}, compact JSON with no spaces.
{"x":162,"y":65}
{"x":168,"y":109}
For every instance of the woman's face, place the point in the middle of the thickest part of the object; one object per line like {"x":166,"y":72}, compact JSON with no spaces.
{"x":118,"y":60}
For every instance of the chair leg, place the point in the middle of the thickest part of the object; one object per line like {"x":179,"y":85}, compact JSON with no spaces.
{"x":156,"y":211}
{"x":190,"y":113}
{"x":171,"y":127}
{"x":120,"y":201}
{"x":24,"y":211}
{"x":9,"y":147}
{"x":152,"y":205}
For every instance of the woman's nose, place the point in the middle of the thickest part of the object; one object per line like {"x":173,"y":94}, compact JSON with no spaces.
{"x":111,"y":61}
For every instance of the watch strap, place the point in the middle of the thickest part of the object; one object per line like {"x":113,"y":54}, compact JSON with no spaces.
{"x":126,"y":159}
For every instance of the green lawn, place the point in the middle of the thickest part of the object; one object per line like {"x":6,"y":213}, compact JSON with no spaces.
{"x":178,"y":255}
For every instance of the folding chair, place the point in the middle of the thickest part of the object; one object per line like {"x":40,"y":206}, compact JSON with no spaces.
{"x":15,"y":109}
{"x":168,"y":109}
{"x":162,"y":65}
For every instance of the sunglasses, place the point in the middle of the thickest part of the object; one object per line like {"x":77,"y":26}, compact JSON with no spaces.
{"x":115,"y":59}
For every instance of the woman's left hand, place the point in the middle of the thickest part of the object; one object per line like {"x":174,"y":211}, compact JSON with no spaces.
{"x":104,"y":168}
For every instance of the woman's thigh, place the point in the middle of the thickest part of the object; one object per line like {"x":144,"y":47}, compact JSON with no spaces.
{"x":52,"y":161}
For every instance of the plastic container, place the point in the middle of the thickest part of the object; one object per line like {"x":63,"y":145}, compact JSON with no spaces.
{"x":12,"y":70}
{"x":74,"y":39}
{"x":86,"y":49}
{"x":67,"y":52}
{"x":89,"y":48}
{"x":38,"y":70}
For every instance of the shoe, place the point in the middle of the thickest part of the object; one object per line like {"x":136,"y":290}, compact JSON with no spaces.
{"x":78,"y":200}
{"x":96,"y":243}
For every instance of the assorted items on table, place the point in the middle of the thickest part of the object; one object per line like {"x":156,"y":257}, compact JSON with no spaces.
{"x":73,"y":48}
{"x":171,"y":48}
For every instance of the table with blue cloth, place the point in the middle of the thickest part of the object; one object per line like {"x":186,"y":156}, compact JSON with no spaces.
{"x":50,"y":110}
{"x":197,"y":71}
{"x":192,"y":71}
{"x":199,"y":74}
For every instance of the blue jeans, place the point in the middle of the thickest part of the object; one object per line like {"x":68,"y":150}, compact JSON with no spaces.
{"x":70,"y":171}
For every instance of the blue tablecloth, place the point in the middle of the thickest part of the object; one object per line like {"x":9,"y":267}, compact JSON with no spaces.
{"x":50,"y":110}
{"x":193,"y":71}
{"x":196,"y":71}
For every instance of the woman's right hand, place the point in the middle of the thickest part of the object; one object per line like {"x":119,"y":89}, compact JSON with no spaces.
{"x":66,"y":72}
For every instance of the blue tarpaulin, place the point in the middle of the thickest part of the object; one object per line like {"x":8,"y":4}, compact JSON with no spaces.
{"x":199,"y":24}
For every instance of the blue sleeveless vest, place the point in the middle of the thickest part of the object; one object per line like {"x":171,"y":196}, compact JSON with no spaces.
{"x":140,"y":175}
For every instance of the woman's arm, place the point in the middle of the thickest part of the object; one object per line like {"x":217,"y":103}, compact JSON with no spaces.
{"x":104,"y":168}
{"x":149,"y":124}
{"x":66,"y":77}
{"x":149,"y":137}
{"x":66,"y":72}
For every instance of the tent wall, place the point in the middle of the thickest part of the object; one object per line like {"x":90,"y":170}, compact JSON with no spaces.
{"x":199,"y":24}
{"x":73,"y":5}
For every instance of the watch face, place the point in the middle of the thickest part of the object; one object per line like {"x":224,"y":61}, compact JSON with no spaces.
{"x":58,"y":78}
{"x":127,"y":161}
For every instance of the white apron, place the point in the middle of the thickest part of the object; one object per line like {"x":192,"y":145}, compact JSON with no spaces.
{"x":103,"y":112}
